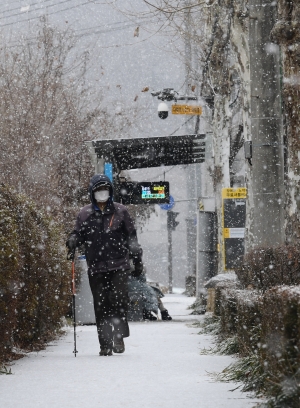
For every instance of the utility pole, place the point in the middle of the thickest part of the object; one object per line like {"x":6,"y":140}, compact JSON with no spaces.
{"x":265,"y":190}
{"x":171,"y":225}
{"x":97,"y":162}
{"x":191,"y":170}
{"x":170,"y":259}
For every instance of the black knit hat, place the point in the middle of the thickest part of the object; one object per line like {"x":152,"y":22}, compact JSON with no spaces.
{"x":101,"y":184}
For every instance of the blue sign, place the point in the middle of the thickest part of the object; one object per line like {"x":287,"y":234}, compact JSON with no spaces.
{"x":168,"y":206}
{"x":108,"y":170}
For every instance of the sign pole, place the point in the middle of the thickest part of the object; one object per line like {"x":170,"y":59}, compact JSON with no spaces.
{"x":233,"y":225}
{"x":170,"y":265}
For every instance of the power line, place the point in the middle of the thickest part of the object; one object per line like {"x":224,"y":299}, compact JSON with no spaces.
{"x":126,"y":24}
{"x":107,"y":30}
{"x":31,"y":10}
{"x":41,"y":9}
{"x":181,"y":125}
{"x":78,"y":5}
{"x":86,"y":29}
{"x":103,"y":31}
{"x":48,"y":14}
{"x":164,"y":172}
{"x":160,"y":174}
{"x":136,"y":42}
{"x":129,"y":23}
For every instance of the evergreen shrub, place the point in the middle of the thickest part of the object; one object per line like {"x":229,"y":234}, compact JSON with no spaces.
{"x":34,"y":275}
{"x":239,"y":314}
{"x":226,"y":308}
{"x":264,"y":268}
{"x":280,"y":342}
{"x":266,"y":329}
{"x":248,"y":321}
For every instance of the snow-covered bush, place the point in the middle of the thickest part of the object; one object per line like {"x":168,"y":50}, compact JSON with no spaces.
{"x":248,"y":321}
{"x":265,"y":327}
{"x":190,"y":285}
{"x":8,"y":271}
{"x":279,"y":349}
{"x":264,"y":268}
{"x":226,"y":307}
{"x":34,"y":278}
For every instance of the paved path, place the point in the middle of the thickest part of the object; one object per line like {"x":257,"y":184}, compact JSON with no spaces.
{"x":162,"y":367}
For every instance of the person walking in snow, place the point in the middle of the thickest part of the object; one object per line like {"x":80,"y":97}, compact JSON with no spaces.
{"x":108,"y":234}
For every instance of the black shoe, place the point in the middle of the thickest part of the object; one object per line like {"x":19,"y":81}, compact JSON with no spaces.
{"x":165,"y":315}
{"x":148,"y":316}
{"x":105,"y":352}
{"x":119,"y":346}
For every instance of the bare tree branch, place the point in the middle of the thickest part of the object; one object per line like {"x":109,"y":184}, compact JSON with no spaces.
{"x":175,"y":9}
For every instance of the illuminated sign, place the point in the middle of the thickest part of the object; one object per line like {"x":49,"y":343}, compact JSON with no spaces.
{"x":155,"y":192}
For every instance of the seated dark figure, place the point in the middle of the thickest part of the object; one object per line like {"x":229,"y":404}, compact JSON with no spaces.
{"x":151,"y":297}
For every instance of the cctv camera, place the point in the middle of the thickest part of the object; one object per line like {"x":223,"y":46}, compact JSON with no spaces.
{"x":163,"y":110}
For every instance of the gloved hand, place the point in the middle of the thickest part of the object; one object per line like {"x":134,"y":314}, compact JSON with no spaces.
{"x":71,"y":243}
{"x":138,"y":269}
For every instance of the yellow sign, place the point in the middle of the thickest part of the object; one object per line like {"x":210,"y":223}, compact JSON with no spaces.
{"x":234,"y":193}
{"x":186,"y":110}
{"x":233,"y":225}
{"x":226,"y":232}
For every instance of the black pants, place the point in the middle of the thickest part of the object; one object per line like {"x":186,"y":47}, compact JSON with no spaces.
{"x":110,"y":293}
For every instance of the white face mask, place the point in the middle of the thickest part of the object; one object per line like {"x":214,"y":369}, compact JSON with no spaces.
{"x":101,"y":196}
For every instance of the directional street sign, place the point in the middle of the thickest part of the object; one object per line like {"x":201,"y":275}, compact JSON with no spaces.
{"x":186,"y":110}
{"x":138,"y":153}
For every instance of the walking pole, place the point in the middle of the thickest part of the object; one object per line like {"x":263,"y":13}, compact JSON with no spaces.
{"x":71,"y":256}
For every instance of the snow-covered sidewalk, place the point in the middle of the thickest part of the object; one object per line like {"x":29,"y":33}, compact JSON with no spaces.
{"x":161,"y":367}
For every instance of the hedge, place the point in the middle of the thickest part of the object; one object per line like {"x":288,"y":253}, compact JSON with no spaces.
{"x":280,"y":342}
{"x":264,"y":268}
{"x":34,"y":275}
{"x":265,"y":326}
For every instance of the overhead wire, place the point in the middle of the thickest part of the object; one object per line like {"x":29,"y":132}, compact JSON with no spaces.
{"x":160,"y":174}
{"x":164,"y":172}
{"x":26,"y":12}
{"x":182,"y":125}
{"x":75,"y":6}
{"x":103,"y":31}
{"x":81,"y":32}
{"x":84,"y":34}
{"x":58,"y":11}
{"x":48,"y":6}
{"x":135,"y":43}
{"x":48,"y":14}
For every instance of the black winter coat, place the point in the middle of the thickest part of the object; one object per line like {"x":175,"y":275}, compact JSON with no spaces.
{"x":109,"y":236}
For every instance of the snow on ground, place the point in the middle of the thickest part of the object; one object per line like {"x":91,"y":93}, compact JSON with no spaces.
{"x":161,"y":367}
